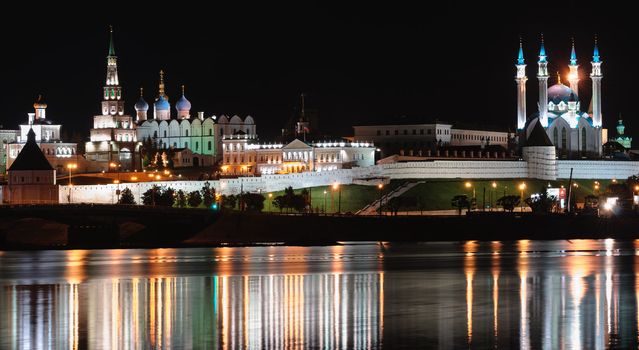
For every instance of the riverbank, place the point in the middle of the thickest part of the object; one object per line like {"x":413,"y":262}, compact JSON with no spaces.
{"x":245,"y":229}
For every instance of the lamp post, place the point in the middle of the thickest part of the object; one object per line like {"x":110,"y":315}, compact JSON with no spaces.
{"x":117,"y":168}
{"x":71,"y":166}
{"x":270,"y":201}
{"x":493,"y":194}
{"x":468,"y":185}
{"x":324,"y":209}
{"x":522,"y":187}
{"x":381,"y":191}
{"x":336,"y":187}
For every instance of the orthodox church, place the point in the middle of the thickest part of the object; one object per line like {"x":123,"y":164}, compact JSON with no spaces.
{"x":574,"y":133}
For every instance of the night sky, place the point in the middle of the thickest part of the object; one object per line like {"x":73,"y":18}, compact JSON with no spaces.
{"x":358,"y":62}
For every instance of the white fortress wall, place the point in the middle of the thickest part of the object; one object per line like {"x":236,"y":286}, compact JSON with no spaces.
{"x":597,"y":169}
{"x":451,"y":169}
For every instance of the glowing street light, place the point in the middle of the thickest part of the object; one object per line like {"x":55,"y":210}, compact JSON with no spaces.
{"x":522,"y":187}
{"x":71,"y":166}
{"x":324,"y":209}
{"x":116,"y":166}
{"x":381,"y":191}
{"x":336,"y":187}
{"x":270,"y":201}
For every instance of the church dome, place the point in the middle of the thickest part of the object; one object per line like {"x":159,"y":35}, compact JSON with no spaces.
{"x":183,"y":104}
{"x":561,"y":93}
{"x":162,"y":104}
{"x":141,"y":105}
{"x":39,"y":103}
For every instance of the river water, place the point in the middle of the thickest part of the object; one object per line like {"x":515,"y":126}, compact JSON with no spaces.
{"x":579,"y":294}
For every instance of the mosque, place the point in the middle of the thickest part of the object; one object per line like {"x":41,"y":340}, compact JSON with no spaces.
{"x":574,"y":133}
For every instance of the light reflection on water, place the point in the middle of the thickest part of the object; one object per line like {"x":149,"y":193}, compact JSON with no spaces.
{"x":523,"y":294}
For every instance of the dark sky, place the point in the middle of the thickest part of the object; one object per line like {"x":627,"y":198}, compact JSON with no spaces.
{"x":357,"y":62}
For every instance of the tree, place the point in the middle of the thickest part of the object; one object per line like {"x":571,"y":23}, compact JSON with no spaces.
{"x":280,"y":202}
{"x":126,"y":197}
{"x":208,"y":194}
{"x":152,"y":195}
{"x":229,"y":201}
{"x":542,"y":203}
{"x":167,"y":197}
{"x":253,"y":201}
{"x":460,"y":202}
{"x":180,"y":199}
{"x":194,"y":199}
{"x":509,"y":202}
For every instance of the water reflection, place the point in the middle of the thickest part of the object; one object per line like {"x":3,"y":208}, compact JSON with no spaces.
{"x":523,"y":294}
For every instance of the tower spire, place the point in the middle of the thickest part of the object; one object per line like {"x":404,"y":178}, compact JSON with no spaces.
{"x":520,"y":79}
{"x":573,"y":55}
{"x":111,"y":45}
{"x":558,"y":78}
{"x":542,"y":77}
{"x":542,"y":50}
{"x":161,"y":86}
{"x":573,"y":76}
{"x":520,"y":55}
{"x":595,"y":54}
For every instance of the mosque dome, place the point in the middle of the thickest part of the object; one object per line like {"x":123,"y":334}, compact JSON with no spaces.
{"x":162,"y":104}
{"x":141,"y":105}
{"x":561,"y":93}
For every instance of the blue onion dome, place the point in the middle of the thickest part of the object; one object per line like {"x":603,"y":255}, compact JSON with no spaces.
{"x":162,"y":104}
{"x":141,"y":105}
{"x":183,"y":104}
{"x":561,"y":93}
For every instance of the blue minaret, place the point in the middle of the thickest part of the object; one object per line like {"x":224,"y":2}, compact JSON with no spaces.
{"x":573,"y":76}
{"x":521,"y":79}
{"x":542,"y":77}
{"x":596,"y":77}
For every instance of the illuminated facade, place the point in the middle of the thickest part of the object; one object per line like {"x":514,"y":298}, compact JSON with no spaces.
{"x":573,"y":132}
{"x":113,"y":136}
{"x":47,"y":136}
{"x":243,"y":155}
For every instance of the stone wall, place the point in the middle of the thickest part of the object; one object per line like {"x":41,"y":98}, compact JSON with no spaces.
{"x":597,"y":169}
{"x":451,"y":169}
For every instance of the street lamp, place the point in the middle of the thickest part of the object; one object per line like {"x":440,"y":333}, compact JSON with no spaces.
{"x":522,"y":187}
{"x":336,"y":187}
{"x":270,"y":196}
{"x":468,"y":185}
{"x":324,"y":210}
{"x":71,"y":166}
{"x":381,"y":191}
{"x":117,"y":167}
{"x":492,"y":194}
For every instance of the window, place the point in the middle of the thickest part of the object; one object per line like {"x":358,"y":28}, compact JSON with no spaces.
{"x":155,"y":134}
{"x":209,"y":145}
{"x":387,"y":132}
{"x":186,"y":145}
{"x":555,"y":137}
{"x":429,"y":131}
{"x":379,"y":132}
{"x":564,"y":138}
{"x":164,"y":133}
{"x":583,"y":139}
{"x":405,"y":132}
{"x":186,"y":133}
{"x":414,"y":131}
{"x":421,"y":131}
{"x":210,"y":132}
{"x":37,"y":178}
{"x":197,"y":145}
{"x":396,"y":132}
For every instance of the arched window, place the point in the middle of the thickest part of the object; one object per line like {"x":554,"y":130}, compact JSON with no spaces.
{"x":583,"y":139}
{"x":209,"y":145}
{"x":186,"y":132}
{"x":555,"y":137}
{"x":564,"y":139}
{"x":164,"y":133}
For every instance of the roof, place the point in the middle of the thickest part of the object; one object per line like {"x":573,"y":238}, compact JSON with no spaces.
{"x":31,"y":156}
{"x":538,"y":136}
{"x":296,"y":144}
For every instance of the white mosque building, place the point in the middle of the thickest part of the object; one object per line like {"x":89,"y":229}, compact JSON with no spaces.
{"x":574,"y":133}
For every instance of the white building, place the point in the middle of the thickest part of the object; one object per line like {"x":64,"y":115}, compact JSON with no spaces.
{"x":573,"y":132}
{"x":243,"y":155}
{"x":47,"y":136}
